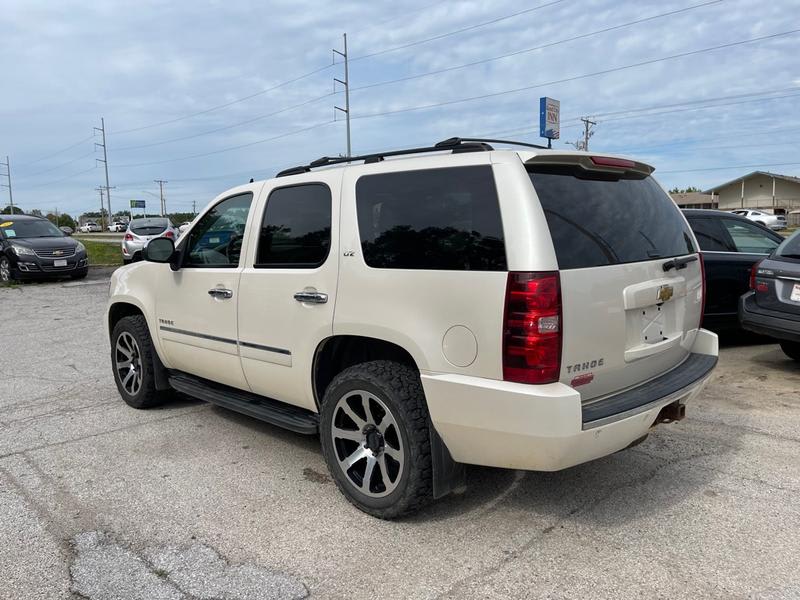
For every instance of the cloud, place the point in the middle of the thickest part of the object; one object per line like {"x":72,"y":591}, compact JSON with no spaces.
{"x":137,"y":63}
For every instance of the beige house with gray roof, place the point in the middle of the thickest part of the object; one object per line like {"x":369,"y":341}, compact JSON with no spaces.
{"x":760,"y":190}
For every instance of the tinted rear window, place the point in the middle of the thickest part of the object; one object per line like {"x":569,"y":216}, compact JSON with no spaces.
{"x":442,"y":219}
{"x":148,"y":226}
{"x":598,"y":220}
{"x":790,"y":248}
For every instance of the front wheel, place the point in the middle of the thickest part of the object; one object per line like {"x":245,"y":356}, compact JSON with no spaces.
{"x":791,"y":349}
{"x":5,"y":270}
{"x":375,"y":438}
{"x":132,"y":359}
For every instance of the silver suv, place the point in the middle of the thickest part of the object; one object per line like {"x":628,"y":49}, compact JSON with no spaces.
{"x":424,"y":309}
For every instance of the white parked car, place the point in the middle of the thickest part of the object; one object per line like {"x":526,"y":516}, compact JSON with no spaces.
{"x":762,"y":218}
{"x":90,"y":227}
{"x":525,"y":309}
{"x":118,"y":226}
{"x":140,"y":231}
{"x":184,"y":226}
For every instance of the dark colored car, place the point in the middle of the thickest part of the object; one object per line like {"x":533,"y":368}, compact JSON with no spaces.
{"x":34,"y":248}
{"x":772,"y":306}
{"x":730,"y":246}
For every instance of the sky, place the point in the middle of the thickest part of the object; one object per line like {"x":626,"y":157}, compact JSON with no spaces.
{"x":208,"y":94}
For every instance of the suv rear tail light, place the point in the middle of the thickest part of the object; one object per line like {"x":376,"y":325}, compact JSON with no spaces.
{"x":532,"y":328}
{"x":128,"y":237}
{"x":169,"y":234}
{"x":704,"y":290}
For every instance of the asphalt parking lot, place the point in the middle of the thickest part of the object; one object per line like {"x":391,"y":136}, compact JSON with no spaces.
{"x":98,"y":500}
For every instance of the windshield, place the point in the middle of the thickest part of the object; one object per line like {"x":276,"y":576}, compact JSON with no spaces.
{"x":790,"y":247}
{"x":148,"y":226}
{"x":597,"y":219}
{"x":34,"y":228}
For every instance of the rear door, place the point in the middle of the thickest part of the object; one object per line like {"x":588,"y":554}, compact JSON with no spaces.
{"x":628,"y":315}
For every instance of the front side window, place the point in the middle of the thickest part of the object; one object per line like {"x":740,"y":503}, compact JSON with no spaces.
{"x":442,"y":219}
{"x":216,"y":239}
{"x":296,"y":228}
{"x":749,"y":238}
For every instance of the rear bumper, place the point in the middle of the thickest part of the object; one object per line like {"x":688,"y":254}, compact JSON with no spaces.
{"x":546,"y":427}
{"x":766,"y":322}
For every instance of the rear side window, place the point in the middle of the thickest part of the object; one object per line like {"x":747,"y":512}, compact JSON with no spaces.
{"x":710,"y":235}
{"x":596,"y":219}
{"x":749,"y":238}
{"x":296,"y":229}
{"x":436,"y":219}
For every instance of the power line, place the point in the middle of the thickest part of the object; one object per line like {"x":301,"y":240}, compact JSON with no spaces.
{"x":69,"y":162}
{"x":226,"y":104}
{"x":220,"y":151}
{"x":38,"y":185}
{"x":789,"y":164}
{"x":533,"y":49}
{"x":78,"y":143}
{"x":576,"y":77}
{"x":218,"y":129}
{"x":456,"y":32}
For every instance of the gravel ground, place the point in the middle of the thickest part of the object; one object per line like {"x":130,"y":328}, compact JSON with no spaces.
{"x":98,"y":500}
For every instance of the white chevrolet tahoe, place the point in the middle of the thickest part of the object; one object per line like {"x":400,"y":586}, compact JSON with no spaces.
{"x":424,"y":309}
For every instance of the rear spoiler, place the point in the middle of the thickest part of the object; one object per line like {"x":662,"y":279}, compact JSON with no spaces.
{"x":590,"y":162}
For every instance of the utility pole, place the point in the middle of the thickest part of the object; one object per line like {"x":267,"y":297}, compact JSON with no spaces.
{"x":194,"y":211}
{"x":102,"y":130}
{"x":7,"y":175}
{"x":587,"y":131}
{"x":161,"y":183}
{"x":346,"y":84}
{"x":102,"y":208}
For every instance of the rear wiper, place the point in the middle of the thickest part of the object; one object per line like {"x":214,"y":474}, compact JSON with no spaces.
{"x":678,"y":263}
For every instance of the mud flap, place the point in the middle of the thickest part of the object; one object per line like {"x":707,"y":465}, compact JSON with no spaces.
{"x":160,"y":374}
{"x":448,"y":475}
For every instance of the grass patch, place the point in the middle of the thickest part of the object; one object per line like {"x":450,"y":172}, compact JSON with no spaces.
{"x":103,"y":253}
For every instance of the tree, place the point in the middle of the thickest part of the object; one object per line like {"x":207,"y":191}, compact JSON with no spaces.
{"x":688,"y":190}
{"x":63,"y":220}
{"x":36,"y":213}
{"x":7,"y":210}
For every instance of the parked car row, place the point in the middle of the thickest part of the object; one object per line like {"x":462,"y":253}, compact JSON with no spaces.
{"x":762,"y":218}
{"x":33,"y":248}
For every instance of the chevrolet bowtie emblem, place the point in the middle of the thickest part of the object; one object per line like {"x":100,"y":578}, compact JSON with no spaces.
{"x":58,"y":253}
{"x":665,"y":293}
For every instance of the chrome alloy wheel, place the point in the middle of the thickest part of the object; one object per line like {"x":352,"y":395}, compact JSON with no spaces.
{"x":128,"y":363}
{"x":367,"y":443}
{"x":5,"y":269}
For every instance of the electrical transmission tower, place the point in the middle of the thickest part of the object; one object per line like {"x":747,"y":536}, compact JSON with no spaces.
{"x":104,"y":160}
{"x":161,"y":183}
{"x":7,"y":175}
{"x":346,"y":84}
{"x":102,"y":208}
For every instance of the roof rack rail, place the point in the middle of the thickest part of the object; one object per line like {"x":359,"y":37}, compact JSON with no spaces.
{"x":454,"y":144}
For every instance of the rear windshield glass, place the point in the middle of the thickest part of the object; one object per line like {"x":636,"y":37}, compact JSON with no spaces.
{"x":790,"y":247}
{"x":148,"y":226}
{"x":597,"y":219}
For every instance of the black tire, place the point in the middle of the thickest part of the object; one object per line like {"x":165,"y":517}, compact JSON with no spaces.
{"x":6,"y":272}
{"x":398,"y":388}
{"x":791,"y":349}
{"x":146,"y":396}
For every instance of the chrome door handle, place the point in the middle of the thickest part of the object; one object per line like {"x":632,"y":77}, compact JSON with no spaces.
{"x":311,"y":297}
{"x":220,"y":293}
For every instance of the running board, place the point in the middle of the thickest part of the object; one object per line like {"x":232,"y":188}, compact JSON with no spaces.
{"x":271,"y":411}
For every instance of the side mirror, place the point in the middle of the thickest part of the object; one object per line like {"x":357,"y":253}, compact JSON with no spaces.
{"x":159,"y":250}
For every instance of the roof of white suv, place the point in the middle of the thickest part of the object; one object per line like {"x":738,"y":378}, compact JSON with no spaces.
{"x":456,"y":145}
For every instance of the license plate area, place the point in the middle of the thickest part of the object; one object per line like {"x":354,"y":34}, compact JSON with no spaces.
{"x":60,"y":262}
{"x":795,"y":295}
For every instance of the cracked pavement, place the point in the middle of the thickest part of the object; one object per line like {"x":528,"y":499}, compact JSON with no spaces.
{"x":98,"y":500}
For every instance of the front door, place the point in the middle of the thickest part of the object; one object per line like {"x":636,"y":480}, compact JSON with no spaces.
{"x":288,"y":287}
{"x":196,"y":305}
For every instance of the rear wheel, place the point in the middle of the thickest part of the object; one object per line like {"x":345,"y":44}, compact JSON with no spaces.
{"x":132,"y":362}
{"x":375,"y":438}
{"x":791,"y":349}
